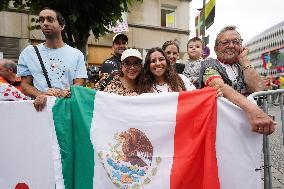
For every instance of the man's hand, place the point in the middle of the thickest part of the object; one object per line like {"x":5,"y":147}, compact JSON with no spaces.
{"x":58,"y":92}
{"x":218,"y":90}
{"x":260,"y":121}
{"x":242,"y":57}
{"x":39,"y":102}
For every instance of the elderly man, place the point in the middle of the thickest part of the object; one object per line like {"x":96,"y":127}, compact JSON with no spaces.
{"x":10,"y":84}
{"x":54,"y":67}
{"x":8,"y":70}
{"x":236,"y":77}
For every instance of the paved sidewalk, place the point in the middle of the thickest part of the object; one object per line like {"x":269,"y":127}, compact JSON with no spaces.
{"x":276,"y":151}
{"x":277,"y":179}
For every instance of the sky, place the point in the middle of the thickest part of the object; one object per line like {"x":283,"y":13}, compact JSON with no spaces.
{"x":250,"y":16}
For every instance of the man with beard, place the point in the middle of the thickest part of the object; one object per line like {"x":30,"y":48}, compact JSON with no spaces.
{"x":61,"y":65}
{"x":119,"y":45}
{"x":236,"y":77}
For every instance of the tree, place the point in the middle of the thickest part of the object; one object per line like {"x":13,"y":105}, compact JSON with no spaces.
{"x":82,"y":16}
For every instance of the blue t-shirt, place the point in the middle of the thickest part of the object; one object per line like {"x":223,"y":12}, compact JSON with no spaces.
{"x":63,"y":65}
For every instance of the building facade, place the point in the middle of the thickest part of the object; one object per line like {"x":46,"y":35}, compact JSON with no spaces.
{"x":266,"y":50}
{"x":14,"y":33}
{"x":150,"y":24}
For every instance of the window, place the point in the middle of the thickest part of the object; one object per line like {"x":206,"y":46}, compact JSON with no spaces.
{"x":168,"y":17}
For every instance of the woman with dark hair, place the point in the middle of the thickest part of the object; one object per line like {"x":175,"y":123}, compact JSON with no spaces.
{"x":125,"y":81}
{"x":171,"y":49}
{"x":159,"y":76}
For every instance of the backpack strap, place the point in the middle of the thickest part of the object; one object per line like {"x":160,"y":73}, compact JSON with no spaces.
{"x":42,"y":67}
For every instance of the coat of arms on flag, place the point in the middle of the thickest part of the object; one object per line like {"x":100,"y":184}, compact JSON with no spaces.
{"x":129,"y":163}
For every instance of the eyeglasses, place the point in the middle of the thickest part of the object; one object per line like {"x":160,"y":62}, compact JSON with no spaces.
{"x":236,"y":42}
{"x":128,"y":64}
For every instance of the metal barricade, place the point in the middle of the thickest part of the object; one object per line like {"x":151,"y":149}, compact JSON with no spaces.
{"x":262,"y":99}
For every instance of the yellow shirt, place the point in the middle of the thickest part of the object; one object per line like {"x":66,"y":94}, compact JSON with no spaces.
{"x":281,"y":80}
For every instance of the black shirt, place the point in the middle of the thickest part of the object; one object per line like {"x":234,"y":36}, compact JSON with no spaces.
{"x":179,"y":67}
{"x":111,"y":65}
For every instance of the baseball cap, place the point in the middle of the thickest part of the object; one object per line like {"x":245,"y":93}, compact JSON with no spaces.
{"x":131,"y":52}
{"x":119,"y":35}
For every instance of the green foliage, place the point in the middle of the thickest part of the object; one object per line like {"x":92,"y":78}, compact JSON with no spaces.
{"x":4,"y":4}
{"x":81,"y":16}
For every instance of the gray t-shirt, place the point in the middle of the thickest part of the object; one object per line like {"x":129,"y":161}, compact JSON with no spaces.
{"x":192,"y":70}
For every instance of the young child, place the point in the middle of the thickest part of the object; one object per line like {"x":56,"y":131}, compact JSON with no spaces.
{"x":192,"y":67}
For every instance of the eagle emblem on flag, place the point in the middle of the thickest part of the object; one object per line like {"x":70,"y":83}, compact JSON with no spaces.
{"x":129,"y":163}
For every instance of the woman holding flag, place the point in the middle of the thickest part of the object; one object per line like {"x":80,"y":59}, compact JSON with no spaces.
{"x":125,"y":81}
{"x":159,"y":76}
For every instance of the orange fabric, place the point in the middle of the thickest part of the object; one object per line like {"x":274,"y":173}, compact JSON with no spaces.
{"x":195,"y":136}
{"x":16,"y":83}
{"x":2,"y":80}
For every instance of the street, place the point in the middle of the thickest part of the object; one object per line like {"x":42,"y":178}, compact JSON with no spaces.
{"x":276,"y":150}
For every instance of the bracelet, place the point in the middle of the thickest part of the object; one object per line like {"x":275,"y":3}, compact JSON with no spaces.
{"x":247,"y":66}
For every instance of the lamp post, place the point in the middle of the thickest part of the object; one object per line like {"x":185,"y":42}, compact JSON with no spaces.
{"x":203,"y":21}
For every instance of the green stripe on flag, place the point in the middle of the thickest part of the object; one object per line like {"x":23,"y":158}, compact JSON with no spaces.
{"x":73,"y":135}
{"x":64,"y":132}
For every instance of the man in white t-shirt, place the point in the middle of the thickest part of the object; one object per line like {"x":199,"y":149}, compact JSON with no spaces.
{"x":65,"y":65}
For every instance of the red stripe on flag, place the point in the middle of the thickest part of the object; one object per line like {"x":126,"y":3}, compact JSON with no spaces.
{"x":195,"y":163}
{"x":22,"y":186}
{"x":211,"y":78}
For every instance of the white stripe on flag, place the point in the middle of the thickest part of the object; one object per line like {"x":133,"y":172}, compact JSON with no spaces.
{"x":123,"y":113}
{"x":238,"y":149}
{"x":59,"y":181}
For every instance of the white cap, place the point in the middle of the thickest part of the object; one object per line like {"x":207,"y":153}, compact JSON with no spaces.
{"x":131,"y":52}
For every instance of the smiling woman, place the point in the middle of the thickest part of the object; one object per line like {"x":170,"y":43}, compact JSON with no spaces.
{"x":159,"y":76}
{"x":125,"y":81}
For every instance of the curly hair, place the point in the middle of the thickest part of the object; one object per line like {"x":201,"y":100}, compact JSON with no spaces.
{"x":147,"y":79}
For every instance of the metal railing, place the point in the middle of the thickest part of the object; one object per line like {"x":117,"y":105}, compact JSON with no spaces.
{"x":262,"y":98}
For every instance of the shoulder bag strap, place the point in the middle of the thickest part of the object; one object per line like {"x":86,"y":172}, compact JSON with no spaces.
{"x":106,"y":82}
{"x":42,"y":67}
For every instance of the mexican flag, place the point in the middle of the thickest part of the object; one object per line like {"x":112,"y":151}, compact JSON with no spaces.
{"x":187,"y":140}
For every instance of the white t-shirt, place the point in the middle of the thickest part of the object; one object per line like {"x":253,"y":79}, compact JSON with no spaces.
{"x":166,"y":88}
{"x":63,"y":65}
{"x":188,"y":85}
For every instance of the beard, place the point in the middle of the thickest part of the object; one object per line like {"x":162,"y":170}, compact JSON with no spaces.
{"x":49,"y":35}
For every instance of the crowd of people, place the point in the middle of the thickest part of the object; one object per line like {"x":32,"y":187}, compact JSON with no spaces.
{"x":50,"y":68}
